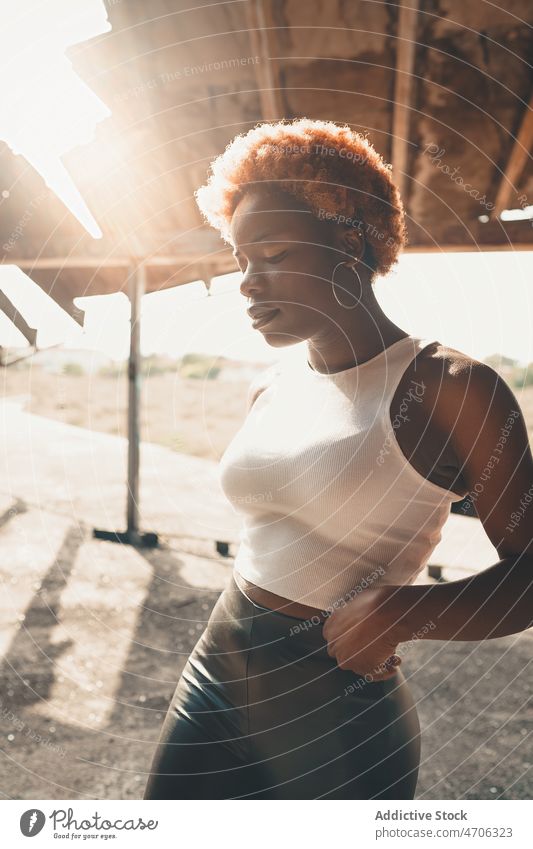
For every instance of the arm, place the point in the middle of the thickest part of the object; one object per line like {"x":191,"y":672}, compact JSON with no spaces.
{"x":490,"y":440}
{"x":478,"y":411}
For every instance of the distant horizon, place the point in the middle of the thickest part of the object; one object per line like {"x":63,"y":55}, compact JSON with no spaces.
{"x":478,"y":303}
{"x":207,"y":354}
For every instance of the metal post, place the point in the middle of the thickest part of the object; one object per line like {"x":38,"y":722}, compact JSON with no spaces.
{"x":136,"y":289}
{"x":131,"y":536}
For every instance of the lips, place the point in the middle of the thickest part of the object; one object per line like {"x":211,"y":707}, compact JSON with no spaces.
{"x":257,"y":311}
{"x":261,"y":315}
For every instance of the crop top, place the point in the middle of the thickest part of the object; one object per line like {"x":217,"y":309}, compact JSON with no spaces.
{"x":329,"y":502}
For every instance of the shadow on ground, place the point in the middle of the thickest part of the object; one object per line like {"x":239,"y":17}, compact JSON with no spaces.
{"x":92,"y":658}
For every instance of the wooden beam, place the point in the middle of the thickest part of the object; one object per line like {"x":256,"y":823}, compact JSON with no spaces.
{"x":470,"y":248}
{"x":190,"y":244}
{"x":60,"y":263}
{"x":7,"y":307}
{"x":523,"y":144}
{"x":194,"y":216}
{"x":259,"y":22}
{"x":403,"y":87}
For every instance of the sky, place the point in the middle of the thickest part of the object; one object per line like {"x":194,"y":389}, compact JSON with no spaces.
{"x":47,"y":109}
{"x":478,"y":303}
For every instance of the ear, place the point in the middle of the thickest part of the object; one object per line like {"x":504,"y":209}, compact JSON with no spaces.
{"x":351,"y":240}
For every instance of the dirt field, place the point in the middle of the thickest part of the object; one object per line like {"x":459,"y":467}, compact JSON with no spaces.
{"x":197,"y":417}
{"x":94,"y":635}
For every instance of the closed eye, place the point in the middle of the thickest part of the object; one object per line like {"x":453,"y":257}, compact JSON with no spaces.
{"x":271,"y":259}
{"x":277,"y":257}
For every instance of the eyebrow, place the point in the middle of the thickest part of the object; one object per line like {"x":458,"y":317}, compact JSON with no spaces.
{"x":261,"y":238}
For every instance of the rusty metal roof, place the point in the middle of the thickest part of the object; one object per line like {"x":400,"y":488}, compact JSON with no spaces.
{"x":443,"y":89}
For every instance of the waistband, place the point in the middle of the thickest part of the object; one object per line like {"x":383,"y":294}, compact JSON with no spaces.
{"x":290,"y":609}
{"x":276,"y":623}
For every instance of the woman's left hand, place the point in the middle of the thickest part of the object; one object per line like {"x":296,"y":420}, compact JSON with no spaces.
{"x":361,"y":634}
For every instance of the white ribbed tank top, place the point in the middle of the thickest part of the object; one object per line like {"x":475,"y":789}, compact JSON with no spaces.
{"x":329,"y":502}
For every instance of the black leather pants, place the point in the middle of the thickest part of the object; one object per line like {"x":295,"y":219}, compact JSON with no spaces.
{"x":261,"y":711}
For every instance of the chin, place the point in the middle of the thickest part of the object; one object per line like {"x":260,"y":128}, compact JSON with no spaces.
{"x":285,"y":336}
{"x":280,"y":340}
{"x":277,"y":340}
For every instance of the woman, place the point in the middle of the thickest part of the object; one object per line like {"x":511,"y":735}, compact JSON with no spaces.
{"x":344,"y":471}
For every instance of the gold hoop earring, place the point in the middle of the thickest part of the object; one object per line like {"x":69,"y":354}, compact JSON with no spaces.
{"x":333,"y":284}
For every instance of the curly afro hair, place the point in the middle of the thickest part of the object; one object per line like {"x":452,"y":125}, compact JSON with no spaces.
{"x":332,"y":169}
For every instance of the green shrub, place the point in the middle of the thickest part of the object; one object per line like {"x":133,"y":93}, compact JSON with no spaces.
{"x":73,"y":370}
{"x":114,"y":370}
{"x":522,"y":377}
{"x":199,"y":371}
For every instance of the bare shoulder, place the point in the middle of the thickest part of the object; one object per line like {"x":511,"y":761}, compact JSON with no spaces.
{"x":444,"y":366}
{"x":442,"y":359}
{"x":455,"y":380}
{"x":444,"y":377}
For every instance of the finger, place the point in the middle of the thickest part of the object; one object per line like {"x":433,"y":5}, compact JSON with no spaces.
{"x":331,"y":649}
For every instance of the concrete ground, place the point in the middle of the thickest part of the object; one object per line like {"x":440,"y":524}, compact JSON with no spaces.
{"x":93,"y":635}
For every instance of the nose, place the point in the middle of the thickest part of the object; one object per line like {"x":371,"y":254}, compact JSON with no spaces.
{"x":250,"y":286}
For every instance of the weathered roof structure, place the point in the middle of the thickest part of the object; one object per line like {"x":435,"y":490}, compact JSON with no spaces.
{"x":443,"y":89}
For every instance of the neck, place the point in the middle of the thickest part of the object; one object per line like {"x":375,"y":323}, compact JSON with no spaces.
{"x":352,"y":339}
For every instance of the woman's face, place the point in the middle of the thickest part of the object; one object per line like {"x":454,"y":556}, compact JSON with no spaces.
{"x":287,"y":256}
